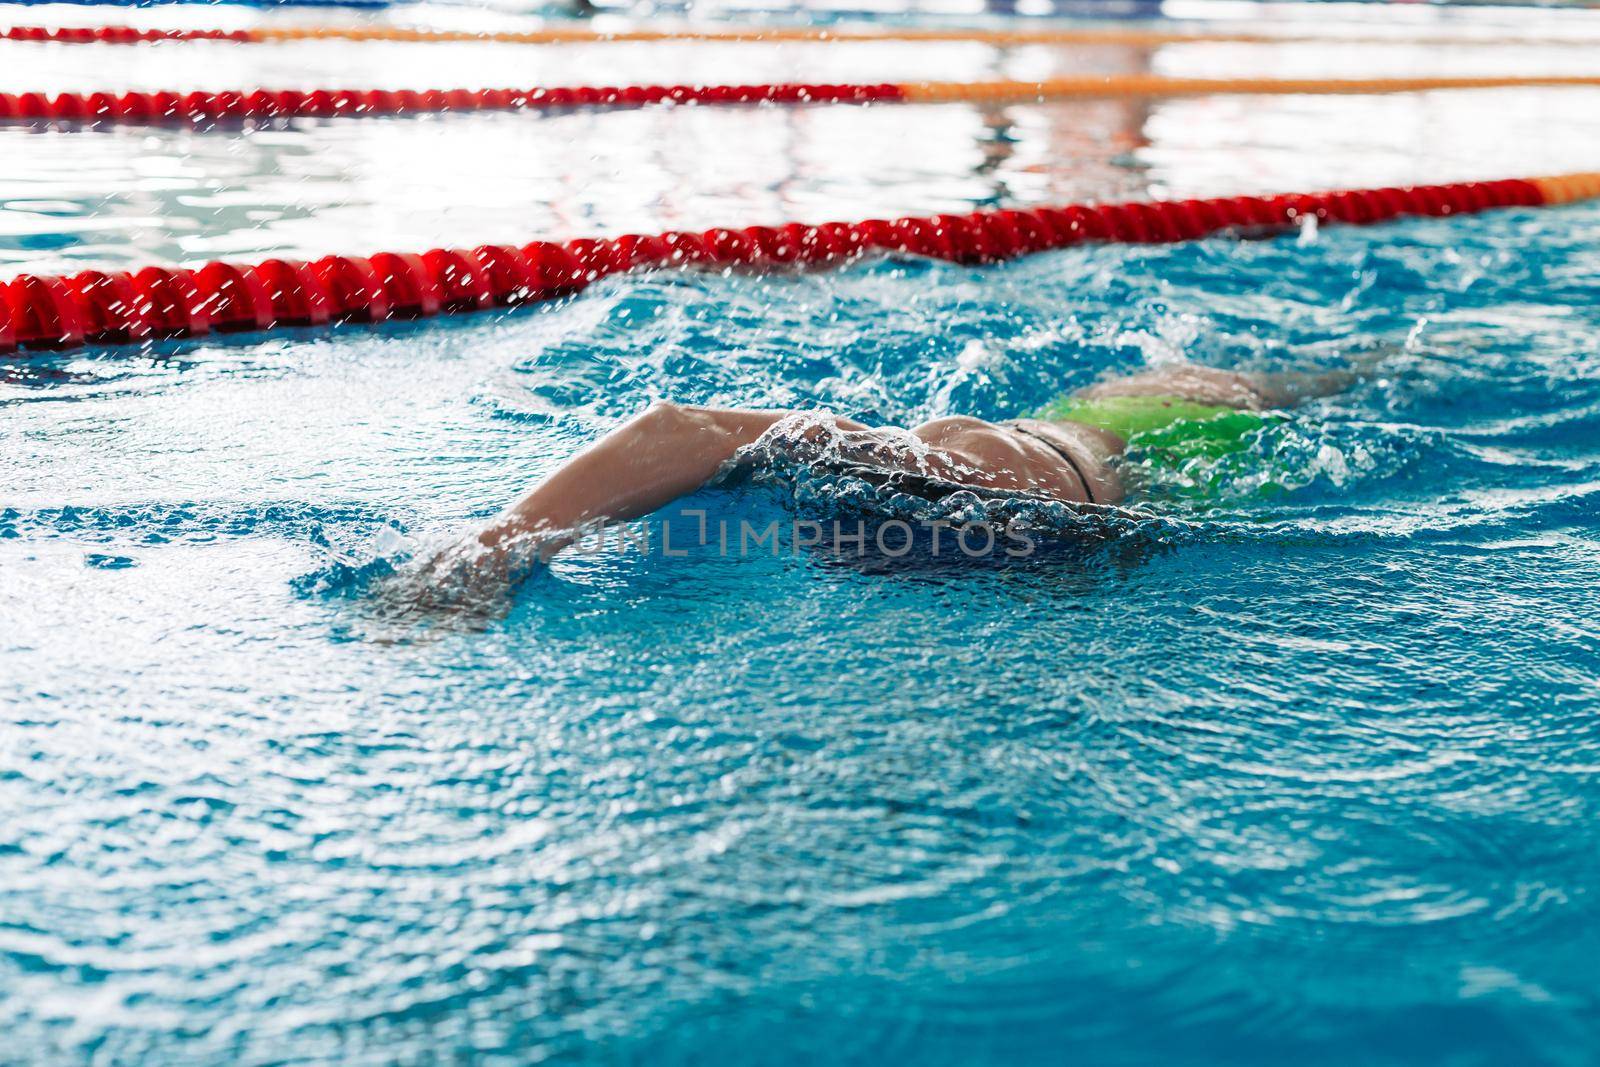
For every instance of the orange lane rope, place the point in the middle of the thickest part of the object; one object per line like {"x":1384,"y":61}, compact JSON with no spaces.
{"x":1105,"y":85}
{"x":1568,"y":188}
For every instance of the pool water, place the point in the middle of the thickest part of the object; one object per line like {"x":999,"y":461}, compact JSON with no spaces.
{"x":1302,"y":768}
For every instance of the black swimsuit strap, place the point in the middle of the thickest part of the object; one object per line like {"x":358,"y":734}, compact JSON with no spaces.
{"x":923,"y":486}
{"x":1088,"y":490}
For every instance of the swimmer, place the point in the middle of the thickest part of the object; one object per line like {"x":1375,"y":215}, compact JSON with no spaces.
{"x":1065,"y":452}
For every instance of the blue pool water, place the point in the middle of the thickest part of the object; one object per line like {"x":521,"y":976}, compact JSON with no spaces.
{"x":1301,"y":776}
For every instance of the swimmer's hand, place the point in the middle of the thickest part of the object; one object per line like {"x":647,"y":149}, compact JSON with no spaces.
{"x":654,"y":458}
{"x":470,"y":576}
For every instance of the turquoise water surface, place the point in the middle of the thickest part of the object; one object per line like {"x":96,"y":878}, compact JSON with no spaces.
{"x":1301,"y":773}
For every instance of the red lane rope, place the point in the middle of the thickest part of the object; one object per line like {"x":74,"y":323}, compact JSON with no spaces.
{"x":100,"y":307}
{"x":93,"y":109}
{"x":120,"y":35}
{"x":154,"y":107}
{"x":577,"y":33}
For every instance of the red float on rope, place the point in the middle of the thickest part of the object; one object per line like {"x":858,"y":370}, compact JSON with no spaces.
{"x":354,"y":290}
{"x":234,"y":298}
{"x":43,"y":312}
{"x":408,"y":287}
{"x":110,"y":307}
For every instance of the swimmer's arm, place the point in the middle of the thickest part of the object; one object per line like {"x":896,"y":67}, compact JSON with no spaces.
{"x":665,"y":452}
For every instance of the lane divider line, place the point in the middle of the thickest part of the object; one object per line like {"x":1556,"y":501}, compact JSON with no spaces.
{"x":1154,"y":85}
{"x":144,"y":108}
{"x":119,"y":307}
{"x":739,"y":35}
